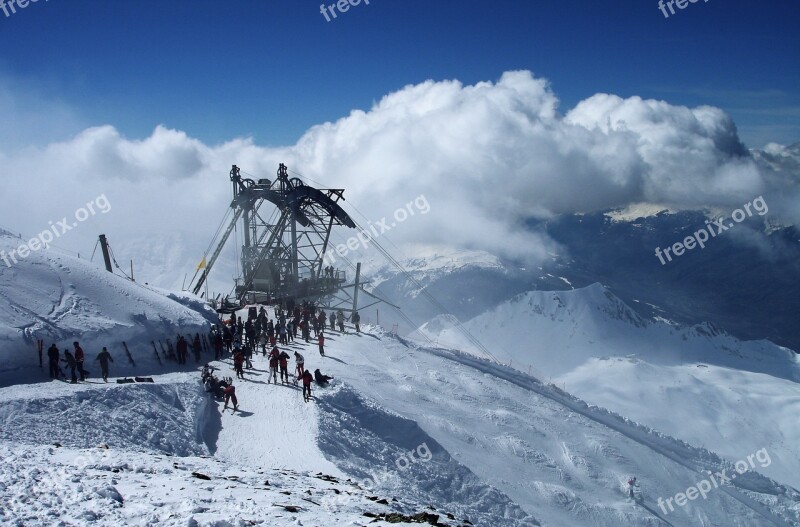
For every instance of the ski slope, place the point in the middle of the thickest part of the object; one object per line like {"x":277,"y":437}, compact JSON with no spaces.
{"x":697,"y":384}
{"x":503,"y":448}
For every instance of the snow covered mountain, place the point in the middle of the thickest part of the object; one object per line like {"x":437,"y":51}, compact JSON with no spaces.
{"x":696,"y":383}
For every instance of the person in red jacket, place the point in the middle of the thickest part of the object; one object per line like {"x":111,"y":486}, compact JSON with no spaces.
{"x":79,"y":358}
{"x":307,"y":379}
{"x":274,"y":360}
{"x":322,"y":344}
{"x":230,"y":395}
{"x":284,"y":364}
{"x":238,"y":363}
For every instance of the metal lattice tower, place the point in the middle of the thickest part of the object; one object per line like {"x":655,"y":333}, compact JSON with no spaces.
{"x":282,"y":256}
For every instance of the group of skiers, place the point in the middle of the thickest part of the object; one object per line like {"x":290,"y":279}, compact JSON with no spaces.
{"x":75,"y":363}
{"x":259,"y":332}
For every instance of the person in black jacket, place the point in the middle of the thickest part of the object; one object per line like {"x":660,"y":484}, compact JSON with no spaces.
{"x":322,"y":380}
{"x":71,"y":364}
{"x":104,"y":357}
{"x":53,"y":355}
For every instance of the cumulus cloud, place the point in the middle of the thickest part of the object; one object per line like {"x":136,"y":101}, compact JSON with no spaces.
{"x":488,"y":157}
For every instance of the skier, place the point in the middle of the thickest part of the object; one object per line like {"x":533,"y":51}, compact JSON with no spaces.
{"x":321,"y":344}
{"x":79,"y":358}
{"x":632,"y":483}
{"x":262,"y":341}
{"x":284,"y":364}
{"x":322,"y":380}
{"x":300,"y":364}
{"x":307,"y":379}
{"x":356,"y":321}
{"x":230,"y":395}
{"x":248,"y":356}
{"x":333,"y":321}
{"x":104,"y":356}
{"x":71,"y":364}
{"x":53,"y":355}
{"x":250,"y":332}
{"x":290,"y":331}
{"x":282,"y":333}
{"x":238,"y":363}
{"x":340,"y":320}
{"x":274,"y":359}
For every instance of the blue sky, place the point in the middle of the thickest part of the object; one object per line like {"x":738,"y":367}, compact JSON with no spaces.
{"x":271,"y":69}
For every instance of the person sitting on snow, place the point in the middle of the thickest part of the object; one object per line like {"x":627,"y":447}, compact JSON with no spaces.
{"x":322,"y":380}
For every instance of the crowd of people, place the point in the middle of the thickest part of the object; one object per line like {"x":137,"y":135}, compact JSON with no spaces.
{"x":238,"y":340}
{"x":74,"y":361}
{"x":241,"y":340}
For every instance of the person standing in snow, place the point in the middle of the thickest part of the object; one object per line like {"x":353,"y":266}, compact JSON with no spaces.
{"x":274,"y":360}
{"x":333,"y":321}
{"x":300,"y":360}
{"x":197,"y":348}
{"x":238,"y":363}
{"x":307,"y":379}
{"x":71,"y":364}
{"x":104,"y":357}
{"x":53,"y":355}
{"x":321,"y":341}
{"x":218,"y":344}
{"x":230,"y":396}
{"x":357,"y":321}
{"x":631,"y":484}
{"x":227,"y":337}
{"x":340,"y":320}
{"x":289,"y":331}
{"x":284,"y":364}
{"x":182,"y":348}
{"x":282,"y":333}
{"x":79,"y":358}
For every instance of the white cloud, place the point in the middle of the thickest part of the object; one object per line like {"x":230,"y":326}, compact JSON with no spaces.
{"x":487,"y":157}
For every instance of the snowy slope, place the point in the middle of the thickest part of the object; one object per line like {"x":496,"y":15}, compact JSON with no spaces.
{"x":59,"y":298}
{"x":697,"y":384}
{"x":419,"y":426}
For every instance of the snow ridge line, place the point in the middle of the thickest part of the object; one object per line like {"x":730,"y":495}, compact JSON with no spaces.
{"x":660,"y":443}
